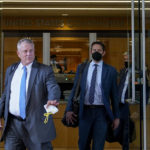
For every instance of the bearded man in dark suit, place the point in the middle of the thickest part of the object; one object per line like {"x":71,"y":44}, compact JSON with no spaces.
{"x":98,"y":85}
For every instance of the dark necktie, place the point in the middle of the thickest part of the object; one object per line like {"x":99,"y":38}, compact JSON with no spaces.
{"x":92,"y":87}
{"x":22,"y":98}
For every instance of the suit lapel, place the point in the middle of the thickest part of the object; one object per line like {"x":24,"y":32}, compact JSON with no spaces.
{"x":9,"y":78}
{"x":33,"y":74}
{"x":104,"y":73}
{"x":10,"y":75}
{"x":84,"y":76}
{"x":103,"y":78}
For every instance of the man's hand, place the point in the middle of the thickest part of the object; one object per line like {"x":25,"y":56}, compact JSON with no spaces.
{"x":70,"y":117}
{"x":1,"y":127}
{"x":52,"y":102}
{"x":115,"y":123}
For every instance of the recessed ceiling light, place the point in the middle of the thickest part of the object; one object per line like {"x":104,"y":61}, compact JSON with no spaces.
{"x":64,"y":15}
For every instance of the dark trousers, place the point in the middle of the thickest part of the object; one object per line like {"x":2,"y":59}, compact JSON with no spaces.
{"x":93,"y":129}
{"x":17,"y":137}
{"x":123,"y":129}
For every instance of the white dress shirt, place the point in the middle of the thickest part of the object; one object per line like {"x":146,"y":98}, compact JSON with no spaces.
{"x":15,"y":88}
{"x":125,"y":86}
{"x":98,"y":94}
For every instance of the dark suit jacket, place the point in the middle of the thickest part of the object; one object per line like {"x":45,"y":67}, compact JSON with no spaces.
{"x":42,"y":87}
{"x":109,"y":90}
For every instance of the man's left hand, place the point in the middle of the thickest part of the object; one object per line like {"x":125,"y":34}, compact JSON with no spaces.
{"x":52,"y":102}
{"x":1,"y":127}
{"x":116,"y":123}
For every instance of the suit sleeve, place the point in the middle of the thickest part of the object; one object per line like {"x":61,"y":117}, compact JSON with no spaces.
{"x":51,"y":85}
{"x":114,"y":95}
{"x":70,"y":100}
{"x":3,"y":98}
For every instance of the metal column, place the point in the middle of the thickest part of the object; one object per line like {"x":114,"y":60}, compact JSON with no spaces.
{"x":46,"y":48}
{"x":92,"y":38}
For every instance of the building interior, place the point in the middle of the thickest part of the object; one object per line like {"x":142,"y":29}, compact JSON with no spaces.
{"x":71,"y":25}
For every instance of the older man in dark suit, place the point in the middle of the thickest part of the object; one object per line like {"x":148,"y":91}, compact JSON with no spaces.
{"x":98,"y":85}
{"x":29,"y":85}
{"x":124,"y":94}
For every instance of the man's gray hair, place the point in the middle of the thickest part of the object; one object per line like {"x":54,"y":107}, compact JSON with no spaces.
{"x":26,"y":40}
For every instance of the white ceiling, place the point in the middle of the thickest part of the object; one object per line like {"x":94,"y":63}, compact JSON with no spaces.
{"x":69,"y":7}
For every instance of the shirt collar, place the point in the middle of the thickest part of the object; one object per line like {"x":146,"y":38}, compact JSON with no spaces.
{"x":27,"y":66}
{"x":99,"y":63}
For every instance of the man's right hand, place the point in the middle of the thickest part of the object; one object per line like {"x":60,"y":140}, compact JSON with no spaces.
{"x":70,"y":117}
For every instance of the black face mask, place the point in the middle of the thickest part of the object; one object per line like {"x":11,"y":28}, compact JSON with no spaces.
{"x":126,"y":64}
{"x":97,"y":56}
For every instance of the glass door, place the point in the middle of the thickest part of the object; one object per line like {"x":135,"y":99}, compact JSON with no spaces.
{"x":147,"y":72}
{"x":140,"y":71}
